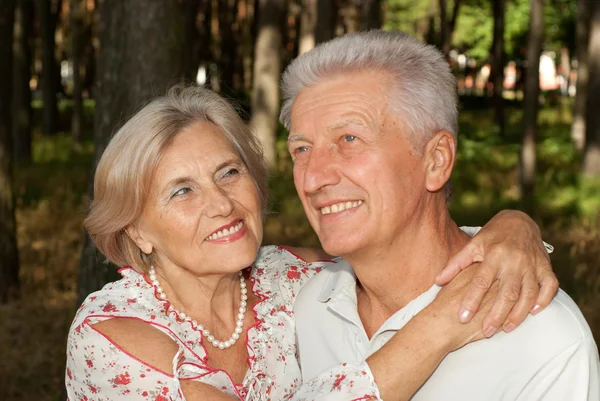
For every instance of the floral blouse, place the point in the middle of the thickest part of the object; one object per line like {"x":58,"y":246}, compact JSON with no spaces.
{"x":98,"y":369}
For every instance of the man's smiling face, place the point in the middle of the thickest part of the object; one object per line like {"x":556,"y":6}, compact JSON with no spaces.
{"x":356,"y":172}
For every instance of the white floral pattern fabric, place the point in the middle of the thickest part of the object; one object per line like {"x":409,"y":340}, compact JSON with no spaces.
{"x":98,"y":369}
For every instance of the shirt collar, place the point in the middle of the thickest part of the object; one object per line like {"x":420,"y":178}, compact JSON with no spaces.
{"x":339,"y":276}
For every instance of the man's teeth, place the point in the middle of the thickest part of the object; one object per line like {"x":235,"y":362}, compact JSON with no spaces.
{"x":340,"y":207}
{"x":225,"y":232}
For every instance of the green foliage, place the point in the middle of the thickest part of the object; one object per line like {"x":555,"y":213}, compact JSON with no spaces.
{"x":473,"y":33}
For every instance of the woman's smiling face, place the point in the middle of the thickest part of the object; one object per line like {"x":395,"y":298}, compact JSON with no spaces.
{"x":203,"y":211}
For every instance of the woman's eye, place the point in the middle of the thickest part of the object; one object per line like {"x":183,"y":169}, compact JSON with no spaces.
{"x":180,"y":192}
{"x":349,"y":138}
{"x":231,"y":172}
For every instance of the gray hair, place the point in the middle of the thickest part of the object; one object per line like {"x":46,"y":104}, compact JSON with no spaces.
{"x":423,"y":87}
{"x":125,"y":170}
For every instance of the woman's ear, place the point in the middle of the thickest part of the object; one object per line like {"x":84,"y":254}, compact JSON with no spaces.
{"x":136,"y":236}
{"x":440,"y":155}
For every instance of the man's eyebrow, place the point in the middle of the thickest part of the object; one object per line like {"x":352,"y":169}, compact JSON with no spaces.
{"x":343,"y":123}
{"x":296,"y":138}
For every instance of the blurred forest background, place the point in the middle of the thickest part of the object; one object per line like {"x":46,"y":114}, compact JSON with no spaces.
{"x":71,"y":71}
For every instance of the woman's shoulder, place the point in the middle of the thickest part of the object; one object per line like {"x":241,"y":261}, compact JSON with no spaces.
{"x":283,"y":271}
{"x":281,"y":256}
{"x":124,"y":297}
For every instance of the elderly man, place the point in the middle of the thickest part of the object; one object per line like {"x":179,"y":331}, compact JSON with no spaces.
{"x":373,"y":123}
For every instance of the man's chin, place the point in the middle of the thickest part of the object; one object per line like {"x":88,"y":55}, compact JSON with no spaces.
{"x":339,"y":247}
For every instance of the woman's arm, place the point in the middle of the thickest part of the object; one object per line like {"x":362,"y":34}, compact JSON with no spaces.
{"x":512,"y":254}
{"x":397,"y":370}
{"x":402,"y":365}
{"x":155,"y":349}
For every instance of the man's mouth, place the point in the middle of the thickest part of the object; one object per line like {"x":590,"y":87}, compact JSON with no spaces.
{"x":340,"y":207}
{"x":224,"y":232}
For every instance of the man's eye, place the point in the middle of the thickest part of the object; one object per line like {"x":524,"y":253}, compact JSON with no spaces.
{"x":180,"y":192}
{"x":349,"y":138}
{"x":301,"y":149}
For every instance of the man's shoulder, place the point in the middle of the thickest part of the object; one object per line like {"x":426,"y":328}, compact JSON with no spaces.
{"x":545,"y":336}
{"x":562,"y":320}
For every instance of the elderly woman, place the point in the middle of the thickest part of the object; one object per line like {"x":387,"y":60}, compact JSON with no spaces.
{"x":202,"y":310}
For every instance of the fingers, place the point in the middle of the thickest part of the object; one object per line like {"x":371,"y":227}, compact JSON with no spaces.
{"x":469,"y":254}
{"x":480,"y":285}
{"x":508,"y":295}
{"x":548,"y":288}
{"x":528,"y":296}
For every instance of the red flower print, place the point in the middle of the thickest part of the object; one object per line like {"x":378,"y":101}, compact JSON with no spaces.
{"x":318,"y":269}
{"x":293,"y":274}
{"x":93,"y":389}
{"x":160,"y":398}
{"x":122,"y":379}
{"x":69,"y":374}
{"x":109,"y":308}
{"x":165,"y":390}
{"x":89,"y":363}
{"x":338,"y":381}
{"x":145,"y":394}
{"x":131,"y":301}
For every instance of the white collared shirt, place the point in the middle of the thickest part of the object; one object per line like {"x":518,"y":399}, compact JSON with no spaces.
{"x":551,"y":356}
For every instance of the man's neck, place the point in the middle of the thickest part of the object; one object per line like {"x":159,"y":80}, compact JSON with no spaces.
{"x":391,"y":275}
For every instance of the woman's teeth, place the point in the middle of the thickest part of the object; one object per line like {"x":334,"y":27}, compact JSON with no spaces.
{"x":225,"y":232}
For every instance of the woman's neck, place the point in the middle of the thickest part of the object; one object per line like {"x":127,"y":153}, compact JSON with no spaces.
{"x":212,"y":300}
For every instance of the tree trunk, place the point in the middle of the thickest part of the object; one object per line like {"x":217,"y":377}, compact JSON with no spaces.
{"x":9,"y":256}
{"x":140,"y":54}
{"x":22,"y":50}
{"x":229,"y":45}
{"x":591,"y":164}
{"x":371,"y":16}
{"x":443,"y":39}
{"x":326,"y":20}
{"x":308,"y":24}
{"x":531,"y":105}
{"x":47,"y":23}
{"x":351,"y":13}
{"x":191,"y":55}
{"x":267,"y":68}
{"x":583,"y":75}
{"x":498,"y":62}
{"x":447,"y":25}
{"x":77,"y":13}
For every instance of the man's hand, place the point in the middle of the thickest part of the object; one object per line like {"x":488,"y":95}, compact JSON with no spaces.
{"x":510,"y":250}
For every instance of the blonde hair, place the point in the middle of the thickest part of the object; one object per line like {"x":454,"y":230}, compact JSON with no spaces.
{"x":124,"y":173}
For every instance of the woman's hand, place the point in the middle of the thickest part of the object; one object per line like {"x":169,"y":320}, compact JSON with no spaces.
{"x":512,"y":253}
{"x":439,"y":317}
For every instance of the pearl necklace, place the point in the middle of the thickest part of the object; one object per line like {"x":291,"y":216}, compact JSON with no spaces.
{"x":239,"y":325}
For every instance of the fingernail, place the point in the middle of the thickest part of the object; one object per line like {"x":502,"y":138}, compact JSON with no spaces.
{"x":536,"y":308}
{"x":489,"y":331}
{"x":464,"y":315}
{"x":508,"y":327}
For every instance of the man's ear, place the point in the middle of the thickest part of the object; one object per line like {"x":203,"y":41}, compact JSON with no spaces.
{"x":136,"y":236}
{"x":440,"y":155}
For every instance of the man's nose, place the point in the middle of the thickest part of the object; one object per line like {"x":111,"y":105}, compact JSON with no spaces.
{"x":218,"y":202}
{"x":320,"y":170}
